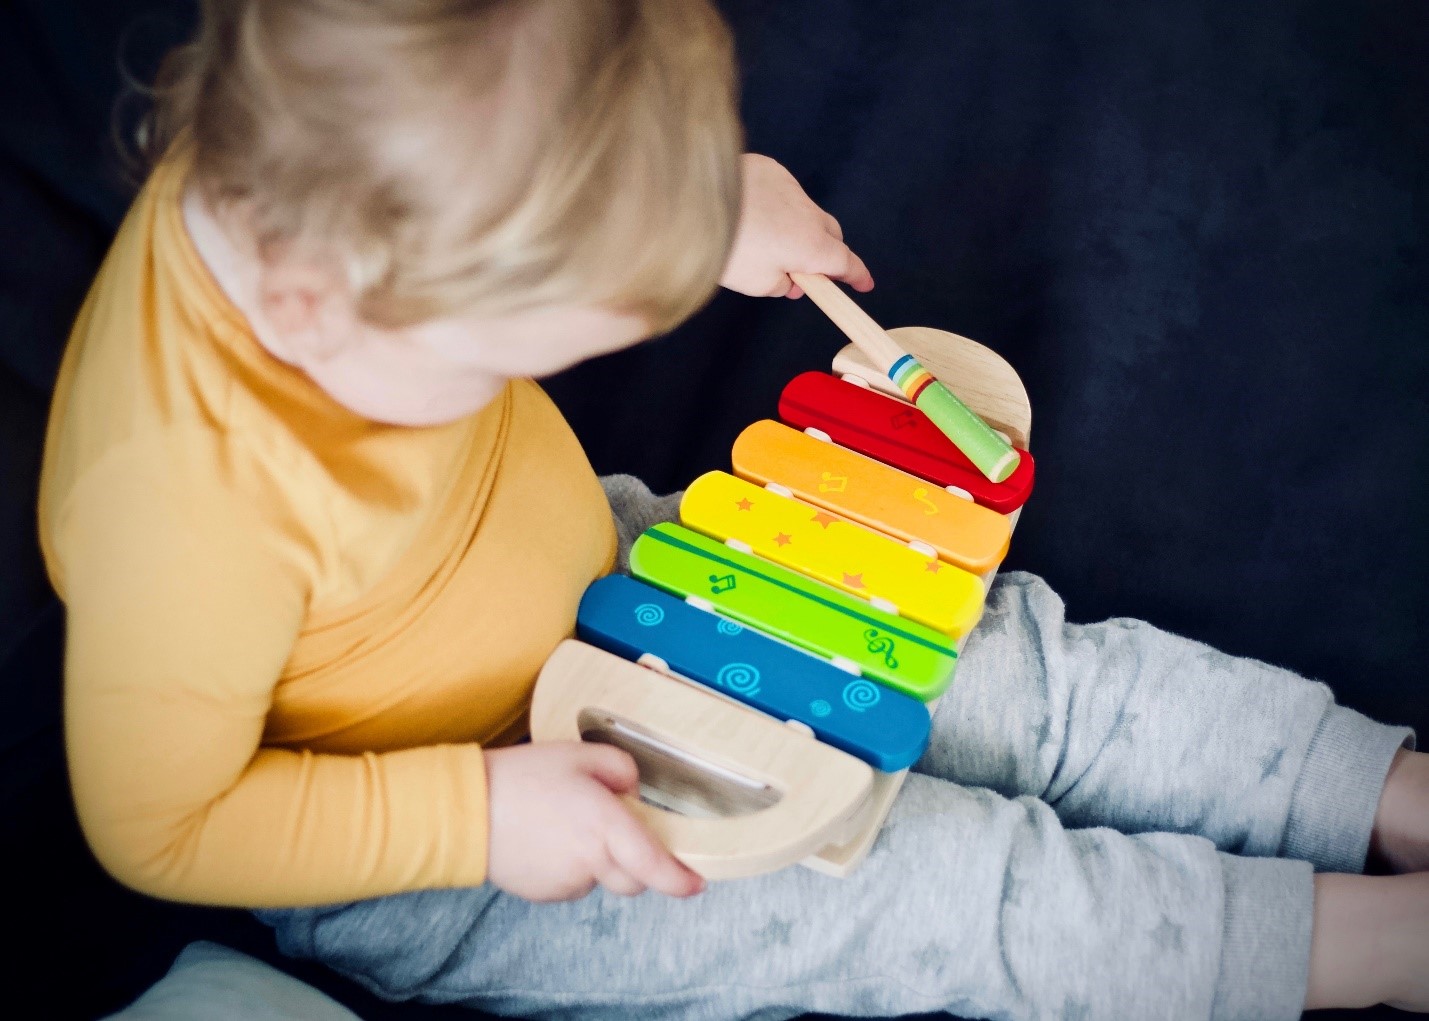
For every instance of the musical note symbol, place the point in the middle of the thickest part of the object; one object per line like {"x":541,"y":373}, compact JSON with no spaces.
{"x":921,"y":495}
{"x":833,"y":483}
{"x":904,"y":419}
{"x":721,"y":584}
{"x":881,"y":645}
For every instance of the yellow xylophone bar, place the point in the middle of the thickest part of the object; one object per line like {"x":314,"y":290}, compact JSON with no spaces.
{"x":834,"y":550}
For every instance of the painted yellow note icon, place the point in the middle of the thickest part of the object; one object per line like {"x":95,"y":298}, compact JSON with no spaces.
{"x":921,"y":495}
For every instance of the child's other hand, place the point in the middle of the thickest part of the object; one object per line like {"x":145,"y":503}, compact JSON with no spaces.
{"x":558,"y":826}
{"x":782,"y":231}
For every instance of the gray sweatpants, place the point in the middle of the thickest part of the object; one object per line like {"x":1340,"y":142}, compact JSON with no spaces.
{"x":1110,"y":822}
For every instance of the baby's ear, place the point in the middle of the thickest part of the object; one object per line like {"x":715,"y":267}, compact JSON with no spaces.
{"x":307,"y":303}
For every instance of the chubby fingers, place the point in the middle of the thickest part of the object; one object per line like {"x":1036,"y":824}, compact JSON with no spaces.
{"x":633,"y":859}
{"x":612,"y":767}
{"x":618,"y":881}
{"x":852,"y":271}
{"x":837,"y":261}
{"x":635,"y":852}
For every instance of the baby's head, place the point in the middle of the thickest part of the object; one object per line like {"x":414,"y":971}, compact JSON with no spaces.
{"x":504,"y":186}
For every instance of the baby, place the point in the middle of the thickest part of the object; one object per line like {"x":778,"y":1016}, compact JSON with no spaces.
{"x":297,"y":497}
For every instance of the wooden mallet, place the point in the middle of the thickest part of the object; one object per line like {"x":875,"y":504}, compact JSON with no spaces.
{"x":993,"y":455}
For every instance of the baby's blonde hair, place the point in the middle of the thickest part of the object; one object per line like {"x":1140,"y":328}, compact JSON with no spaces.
{"x":471,"y":155}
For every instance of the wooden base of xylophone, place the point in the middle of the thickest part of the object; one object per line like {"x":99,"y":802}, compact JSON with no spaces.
{"x":733,"y":792}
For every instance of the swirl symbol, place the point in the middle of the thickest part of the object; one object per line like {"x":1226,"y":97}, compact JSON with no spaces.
{"x":648,"y":615}
{"x":729,"y":627}
{"x":740,"y":678}
{"x":820,"y":708}
{"x":860,"y":695}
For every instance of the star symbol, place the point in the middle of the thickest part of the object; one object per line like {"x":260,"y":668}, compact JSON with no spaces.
{"x":1168,"y":935}
{"x":853,"y":580}
{"x":1121,"y":729}
{"x":824,"y":519}
{"x":1270,"y":763}
{"x":933,"y":566}
{"x":602,"y":926}
{"x":931,"y":957}
{"x":744,"y":504}
{"x":1096,"y":849}
{"x":1012,"y":891}
{"x":777,"y":931}
{"x":783,"y":540}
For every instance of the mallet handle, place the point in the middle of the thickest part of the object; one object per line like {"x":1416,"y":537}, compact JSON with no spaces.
{"x":857,"y":325}
{"x":992,"y":454}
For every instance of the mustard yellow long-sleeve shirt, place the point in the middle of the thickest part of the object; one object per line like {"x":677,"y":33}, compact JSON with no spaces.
{"x":290,"y":630}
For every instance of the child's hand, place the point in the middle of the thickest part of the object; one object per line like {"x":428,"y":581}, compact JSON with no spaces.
{"x":558,"y":826}
{"x":782,"y":231}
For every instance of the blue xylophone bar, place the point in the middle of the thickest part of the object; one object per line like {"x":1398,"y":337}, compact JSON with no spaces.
{"x":883,"y":727}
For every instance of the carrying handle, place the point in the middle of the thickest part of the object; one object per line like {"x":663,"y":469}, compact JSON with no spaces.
{"x":819,"y":789}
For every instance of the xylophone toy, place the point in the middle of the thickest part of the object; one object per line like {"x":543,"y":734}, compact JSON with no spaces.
{"x":772,"y":661}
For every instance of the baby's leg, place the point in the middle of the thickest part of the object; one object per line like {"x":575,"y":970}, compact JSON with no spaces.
{"x":969,"y":902}
{"x":1120,"y":724}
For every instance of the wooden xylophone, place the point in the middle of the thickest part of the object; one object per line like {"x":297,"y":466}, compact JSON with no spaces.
{"x":772,"y":661}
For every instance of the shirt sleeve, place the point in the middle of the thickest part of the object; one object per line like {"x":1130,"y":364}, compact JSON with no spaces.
{"x":181,"y":615}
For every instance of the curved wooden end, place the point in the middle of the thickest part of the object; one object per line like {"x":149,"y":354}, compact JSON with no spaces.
{"x":982,"y":378}
{"x":793,"y":795}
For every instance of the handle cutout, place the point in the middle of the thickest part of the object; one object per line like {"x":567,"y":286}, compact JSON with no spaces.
{"x":675,"y":779}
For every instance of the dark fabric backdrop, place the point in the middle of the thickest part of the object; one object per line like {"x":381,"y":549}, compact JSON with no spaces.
{"x":1200,"y":232}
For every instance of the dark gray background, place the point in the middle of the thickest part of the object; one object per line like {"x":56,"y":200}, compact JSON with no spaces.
{"x":1200,"y":232}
